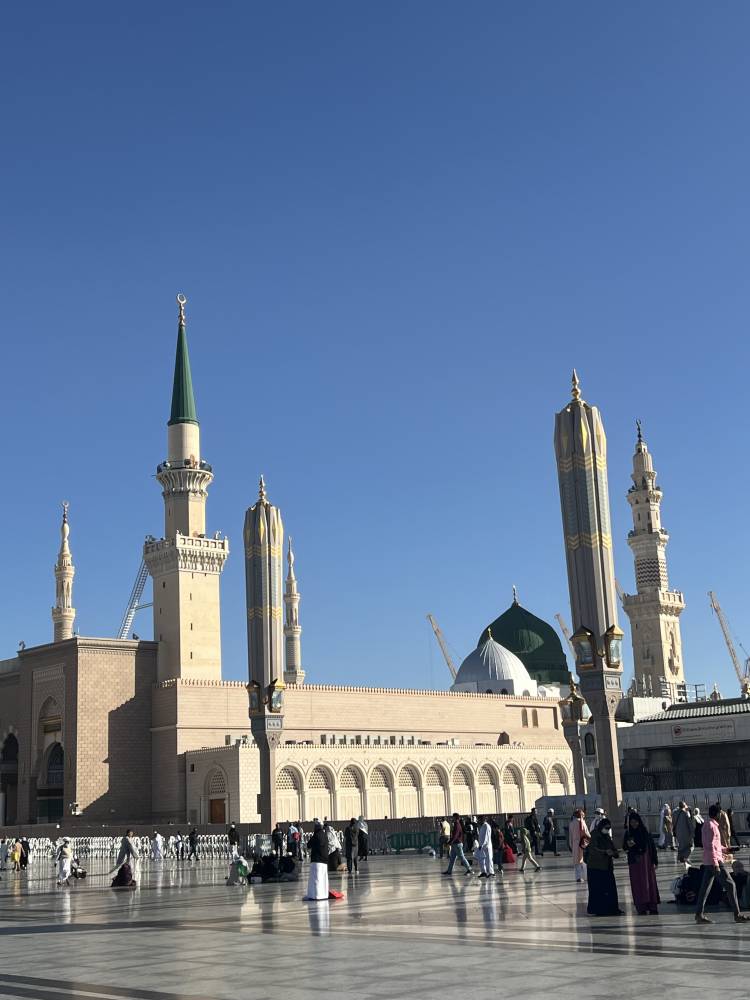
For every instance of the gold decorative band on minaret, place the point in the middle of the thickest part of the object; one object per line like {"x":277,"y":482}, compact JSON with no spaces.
{"x":582,"y":462}
{"x":595,"y":540}
{"x":264,"y":612}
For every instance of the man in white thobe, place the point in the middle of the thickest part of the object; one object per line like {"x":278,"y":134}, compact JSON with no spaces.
{"x":485,"y":848}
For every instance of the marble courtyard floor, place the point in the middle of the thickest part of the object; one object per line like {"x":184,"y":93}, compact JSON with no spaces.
{"x":401,"y":931}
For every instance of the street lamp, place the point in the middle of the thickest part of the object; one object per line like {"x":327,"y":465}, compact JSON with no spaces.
{"x":609,"y":649}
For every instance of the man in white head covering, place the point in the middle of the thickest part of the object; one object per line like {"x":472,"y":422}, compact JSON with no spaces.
{"x":64,"y":862}
{"x":598,"y":817}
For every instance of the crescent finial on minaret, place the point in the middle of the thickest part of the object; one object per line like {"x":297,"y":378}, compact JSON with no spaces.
{"x":576,"y":386}
{"x":515,"y":594}
{"x":181,"y":300}
{"x":640,"y":431}
{"x":262,"y":489}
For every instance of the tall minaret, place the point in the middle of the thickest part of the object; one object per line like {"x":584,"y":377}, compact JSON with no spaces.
{"x":264,"y":540}
{"x":186,"y":565}
{"x":654,"y":611}
{"x":293,"y":672}
{"x":581,"y":453}
{"x":63,"y":613}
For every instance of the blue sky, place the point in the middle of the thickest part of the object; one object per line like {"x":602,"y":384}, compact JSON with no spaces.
{"x":399,"y":226}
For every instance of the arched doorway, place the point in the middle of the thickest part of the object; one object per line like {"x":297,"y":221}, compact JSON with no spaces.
{"x":49,"y":785}
{"x":216,"y":794}
{"x":9,"y":780}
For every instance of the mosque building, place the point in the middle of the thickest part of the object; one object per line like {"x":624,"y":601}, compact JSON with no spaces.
{"x":114,"y":730}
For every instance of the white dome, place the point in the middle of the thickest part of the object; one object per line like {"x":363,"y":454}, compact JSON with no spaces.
{"x":492,"y":667}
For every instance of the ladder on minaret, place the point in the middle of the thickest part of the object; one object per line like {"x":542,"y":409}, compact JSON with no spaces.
{"x":134,"y":601}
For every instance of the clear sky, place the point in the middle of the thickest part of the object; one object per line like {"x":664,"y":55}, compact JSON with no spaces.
{"x":399,"y":226}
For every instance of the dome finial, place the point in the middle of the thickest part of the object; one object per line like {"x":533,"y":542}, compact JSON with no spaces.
{"x":515,"y":594}
{"x":489,"y":633}
{"x":576,"y":386}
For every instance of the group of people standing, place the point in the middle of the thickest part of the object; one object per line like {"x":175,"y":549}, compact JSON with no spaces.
{"x":595,"y":850}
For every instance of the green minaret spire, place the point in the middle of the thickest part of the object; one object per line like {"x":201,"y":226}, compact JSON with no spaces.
{"x":183,"y":400}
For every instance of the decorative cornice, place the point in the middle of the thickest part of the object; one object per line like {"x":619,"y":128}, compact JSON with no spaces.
{"x":197,"y":555}
{"x":194,"y":480}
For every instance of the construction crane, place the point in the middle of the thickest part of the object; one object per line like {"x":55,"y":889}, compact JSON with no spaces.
{"x":620,"y":593}
{"x":134,"y":602}
{"x":566,"y":632}
{"x":741,"y":669}
{"x":443,"y":646}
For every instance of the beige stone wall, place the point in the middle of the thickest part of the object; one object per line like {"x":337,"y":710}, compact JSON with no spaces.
{"x":113,"y":749}
{"x":314,"y":710}
{"x":238,"y":768}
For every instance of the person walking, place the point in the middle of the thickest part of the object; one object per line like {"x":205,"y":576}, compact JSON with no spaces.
{"x":698,"y":836}
{"x":233,"y":839}
{"x":351,"y":846}
{"x":684,"y":831}
{"x":579,"y":837}
{"x":363,"y":839}
{"x":277,"y":840}
{"x":603,"y":901}
{"x":457,"y":847}
{"x":64,"y":862}
{"x":193,"y":845}
{"x":526,"y":850}
{"x":444,"y":838}
{"x":535,"y":831}
{"x":714,"y":868}
{"x":317,"y":883}
{"x":642,"y":862}
{"x":666,"y":830}
{"x":510,"y":834}
{"x":26,"y":852}
{"x":484,"y":849}
{"x":498,"y":842}
{"x":15,"y":854}
{"x":128,"y":852}
{"x":157,"y":847}
{"x":549,"y":830}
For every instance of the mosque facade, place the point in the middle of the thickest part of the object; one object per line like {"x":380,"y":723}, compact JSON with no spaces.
{"x":114,"y":730}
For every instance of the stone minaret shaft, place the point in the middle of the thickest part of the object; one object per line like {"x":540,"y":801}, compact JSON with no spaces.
{"x":293,"y":672}
{"x":581,"y":454}
{"x":63,"y":613}
{"x":264,"y":540}
{"x":654,"y":610}
{"x":186,"y":565}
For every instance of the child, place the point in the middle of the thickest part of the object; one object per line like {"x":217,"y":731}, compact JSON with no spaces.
{"x":526,"y":850}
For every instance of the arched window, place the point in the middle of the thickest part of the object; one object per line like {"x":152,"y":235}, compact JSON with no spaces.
{"x":56,"y":766}
{"x":589,"y":744}
{"x":216,"y":783}
{"x":525,"y":718}
{"x":535,"y":718}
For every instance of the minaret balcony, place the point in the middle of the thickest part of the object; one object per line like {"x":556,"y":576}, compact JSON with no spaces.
{"x":197,"y":553}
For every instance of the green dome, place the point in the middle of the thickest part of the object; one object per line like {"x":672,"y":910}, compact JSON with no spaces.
{"x":533,"y":641}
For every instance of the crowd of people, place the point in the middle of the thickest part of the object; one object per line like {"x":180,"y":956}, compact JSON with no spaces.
{"x":595,"y":850}
{"x":481,"y":845}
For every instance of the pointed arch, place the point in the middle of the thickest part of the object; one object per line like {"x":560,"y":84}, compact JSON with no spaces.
{"x":351,"y":797}
{"x":409,"y":791}
{"x":487,"y":782}
{"x":462,"y":789}
{"x":559,"y":781}
{"x":320,"y":792}
{"x":380,"y":789}
{"x":436,"y":791}
{"x":289,"y":785}
{"x":536,"y":784}
{"x":511,"y":792}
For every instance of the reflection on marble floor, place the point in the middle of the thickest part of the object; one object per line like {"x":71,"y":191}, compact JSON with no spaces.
{"x":402,"y":930}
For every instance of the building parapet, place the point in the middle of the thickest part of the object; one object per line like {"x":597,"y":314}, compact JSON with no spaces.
{"x":371,"y":748}
{"x":10,"y":666}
